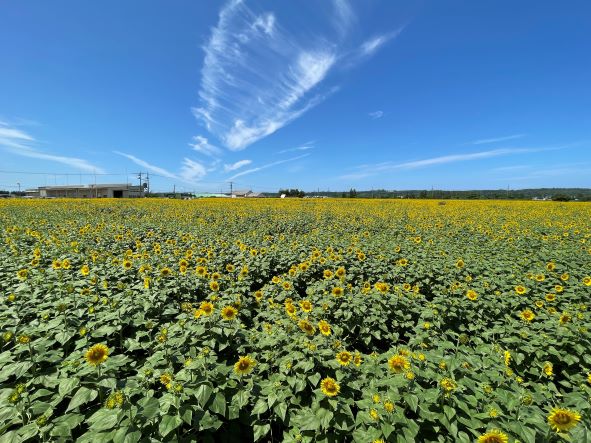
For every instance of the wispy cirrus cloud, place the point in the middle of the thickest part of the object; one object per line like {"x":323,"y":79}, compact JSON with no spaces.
{"x":371,"y":45}
{"x":202,"y":145}
{"x":497,"y":139}
{"x":18,"y":142}
{"x":376,"y":114}
{"x":259,"y":75}
{"x":268,"y":165}
{"x":191,"y":171}
{"x":239,"y":164}
{"x":374,"y":169}
{"x":144,"y":164}
{"x":304,"y":147}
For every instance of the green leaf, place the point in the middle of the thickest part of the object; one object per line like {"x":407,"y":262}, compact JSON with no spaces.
{"x":169,"y":423}
{"x":309,"y":422}
{"x":281,"y":410}
{"x":67,"y":385}
{"x":202,"y":393}
{"x":412,"y":401}
{"x":124,"y":436}
{"x":260,"y":431}
{"x":219,"y":404}
{"x":83,"y":395}
{"x":260,"y":407}
{"x":103,"y":419}
{"x":149,"y":407}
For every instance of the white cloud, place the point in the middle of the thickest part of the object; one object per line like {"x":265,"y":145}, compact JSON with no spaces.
{"x":144,"y":164}
{"x":20,"y":143}
{"x":343,"y":17}
{"x":192,"y":171}
{"x":268,"y":165}
{"x":376,"y":114}
{"x":370,"y":170}
{"x":370,"y":46}
{"x":237,"y":165}
{"x":305,"y":147}
{"x":498,"y":139}
{"x":259,"y":75}
{"x":202,"y":145}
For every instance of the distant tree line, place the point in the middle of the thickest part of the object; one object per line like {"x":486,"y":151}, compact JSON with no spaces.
{"x":556,"y":194}
{"x":292,"y":193}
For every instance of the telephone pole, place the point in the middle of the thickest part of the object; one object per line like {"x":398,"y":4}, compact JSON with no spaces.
{"x":231,"y":194}
{"x":140,"y":178}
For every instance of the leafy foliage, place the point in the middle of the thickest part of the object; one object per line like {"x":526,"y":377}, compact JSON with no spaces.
{"x":293,"y":320}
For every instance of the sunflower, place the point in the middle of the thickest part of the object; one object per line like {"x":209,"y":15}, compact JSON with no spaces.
{"x":527,"y":315}
{"x":550,"y":266}
{"x":540,"y":277}
{"x":344,"y":358}
{"x":520,"y":289}
{"x":97,"y":354}
{"x":459,"y":263}
{"x":307,"y":327}
{"x":550,"y":297}
{"x":565,"y":317}
{"x":324,"y":328}
{"x":206,"y":307}
{"x":165,"y":272}
{"x":22,"y":274}
{"x":306,"y":306}
{"x":229,"y":312}
{"x":374,"y":414}
{"x":548,"y":369}
{"x":330,"y":387}
{"x":244,"y":365}
{"x":448,"y":385}
{"x":357,"y":359}
{"x":388,"y":406}
{"x":340,"y":272}
{"x":214,"y":285}
{"x":337,"y":291}
{"x":471,"y":295}
{"x":398,"y":363}
{"x":291,"y":309}
{"x":201,"y":271}
{"x":563,"y":420}
{"x":494,"y":436}
{"x":327,"y":273}
{"x":587,"y":281}
{"x":286,"y":285}
{"x":85,"y":270}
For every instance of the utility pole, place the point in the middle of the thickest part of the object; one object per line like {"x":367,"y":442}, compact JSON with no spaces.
{"x":19,"y":188}
{"x":148,"y":182}
{"x":174,"y":191}
{"x":231,"y":194}
{"x":140,"y":177}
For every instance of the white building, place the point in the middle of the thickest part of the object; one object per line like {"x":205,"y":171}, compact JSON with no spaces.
{"x":118,"y":190}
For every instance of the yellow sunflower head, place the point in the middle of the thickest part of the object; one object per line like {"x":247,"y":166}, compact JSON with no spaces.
{"x":494,"y":436}
{"x":563,"y":420}
{"x":398,"y":363}
{"x":330,"y":387}
{"x":244,"y":365}
{"x":344,"y":358}
{"x":97,"y":354}
{"x":229,"y":312}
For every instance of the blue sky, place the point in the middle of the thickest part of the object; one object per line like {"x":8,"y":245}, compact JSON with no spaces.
{"x":328,"y":94}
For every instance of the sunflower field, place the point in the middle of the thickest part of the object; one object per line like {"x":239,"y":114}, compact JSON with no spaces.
{"x":295,"y":320}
